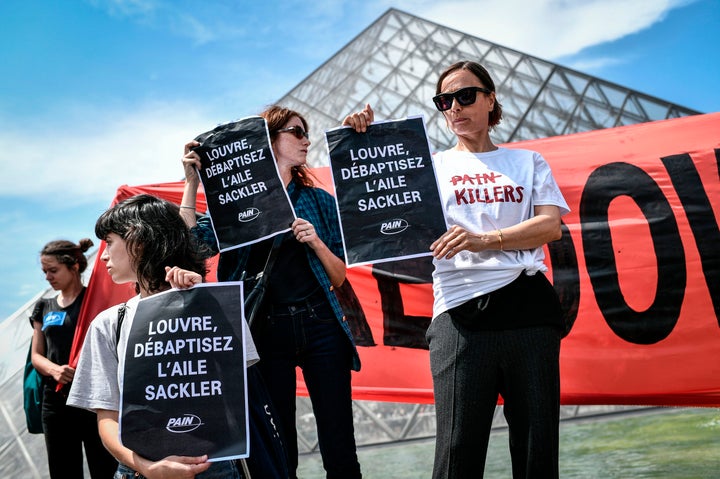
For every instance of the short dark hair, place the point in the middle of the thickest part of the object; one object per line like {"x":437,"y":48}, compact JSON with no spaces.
{"x":484,"y":76}
{"x":155,"y":236}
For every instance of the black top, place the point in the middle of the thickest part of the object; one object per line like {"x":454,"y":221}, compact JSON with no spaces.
{"x":59,"y":324}
{"x":291,"y":279}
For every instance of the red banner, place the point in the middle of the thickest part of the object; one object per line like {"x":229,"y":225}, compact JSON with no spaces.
{"x":637,"y":269}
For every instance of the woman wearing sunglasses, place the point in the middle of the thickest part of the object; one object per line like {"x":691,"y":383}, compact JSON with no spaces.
{"x":497,"y":322}
{"x":303,"y":325}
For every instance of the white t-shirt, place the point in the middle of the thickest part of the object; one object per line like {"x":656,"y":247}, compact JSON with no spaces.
{"x":484,"y":192}
{"x":99,"y":373}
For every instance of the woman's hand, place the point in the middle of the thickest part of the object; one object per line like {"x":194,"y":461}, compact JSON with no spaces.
{"x":360,"y":120}
{"x":457,"y":239}
{"x":181,"y":278}
{"x":305,"y":232}
{"x":191,"y":161}
{"x":537,"y":231}
{"x":168,"y":468}
{"x":62,"y":374}
{"x":173,"y":467}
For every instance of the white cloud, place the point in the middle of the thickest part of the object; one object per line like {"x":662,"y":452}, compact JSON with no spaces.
{"x":590,"y":65}
{"x":90,"y":154}
{"x":121,"y":145}
{"x":545,"y":28}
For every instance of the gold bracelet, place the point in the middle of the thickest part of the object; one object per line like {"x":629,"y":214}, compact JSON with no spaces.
{"x":500,"y":238}
{"x":188,"y":207}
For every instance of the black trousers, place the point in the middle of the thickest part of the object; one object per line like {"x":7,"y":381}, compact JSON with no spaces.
{"x":471,"y":366}
{"x":67,"y":430}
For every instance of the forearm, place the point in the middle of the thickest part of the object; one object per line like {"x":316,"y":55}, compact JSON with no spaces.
{"x":61,"y":373}
{"x":44,"y":366}
{"x":334,"y":266}
{"x":191,"y":164}
{"x":188,"y":202}
{"x":535,"y":232}
{"x":532,"y":233}
{"x":109,"y":435}
{"x":175,"y":467}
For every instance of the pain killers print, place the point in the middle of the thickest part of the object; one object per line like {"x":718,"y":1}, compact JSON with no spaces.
{"x":493,"y":190}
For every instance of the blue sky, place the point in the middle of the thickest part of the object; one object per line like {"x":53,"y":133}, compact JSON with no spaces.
{"x":99,"y":93}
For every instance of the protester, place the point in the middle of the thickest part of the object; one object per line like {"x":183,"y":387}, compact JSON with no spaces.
{"x":148,"y":244}
{"x":66,"y":429}
{"x":497,"y":322}
{"x":303,"y":322}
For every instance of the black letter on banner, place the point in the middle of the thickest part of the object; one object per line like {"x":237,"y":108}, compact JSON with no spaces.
{"x":566,"y":278}
{"x":700,"y":215}
{"x":605,"y":184}
{"x":399,"y":329}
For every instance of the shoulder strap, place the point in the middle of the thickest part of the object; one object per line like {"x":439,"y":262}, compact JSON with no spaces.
{"x":121,"y":317}
{"x":272,"y":255}
{"x":279,"y":238}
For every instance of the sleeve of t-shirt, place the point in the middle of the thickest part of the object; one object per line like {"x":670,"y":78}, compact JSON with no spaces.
{"x":251,"y":354}
{"x":95,"y":385}
{"x":545,"y":189}
{"x":38,"y":312}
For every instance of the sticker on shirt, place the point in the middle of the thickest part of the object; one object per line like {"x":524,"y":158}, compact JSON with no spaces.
{"x":53,"y":318}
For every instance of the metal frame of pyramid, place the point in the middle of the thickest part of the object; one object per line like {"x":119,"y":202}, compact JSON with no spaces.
{"x":393,"y":65}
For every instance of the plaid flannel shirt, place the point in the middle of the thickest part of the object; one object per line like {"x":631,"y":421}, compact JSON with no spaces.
{"x":314,"y":205}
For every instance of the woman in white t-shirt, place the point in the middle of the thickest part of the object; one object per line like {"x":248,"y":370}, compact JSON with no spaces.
{"x":497,"y":321}
{"x":144,"y":235}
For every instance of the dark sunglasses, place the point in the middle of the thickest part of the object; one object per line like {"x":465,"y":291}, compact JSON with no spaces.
{"x":297,"y":131}
{"x":464,"y":96}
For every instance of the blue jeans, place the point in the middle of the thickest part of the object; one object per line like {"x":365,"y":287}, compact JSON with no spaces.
{"x":218,"y":470}
{"x":309,"y":336}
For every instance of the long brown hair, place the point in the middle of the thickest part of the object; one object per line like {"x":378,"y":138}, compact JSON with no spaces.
{"x":277,"y":117}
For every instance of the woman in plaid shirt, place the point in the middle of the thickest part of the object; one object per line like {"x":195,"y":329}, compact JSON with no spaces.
{"x":303,"y":323}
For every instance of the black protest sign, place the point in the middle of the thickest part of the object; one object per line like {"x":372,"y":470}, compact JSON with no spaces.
{"x":183,"y":390}
{"x":386,"y":191}
{"x":246,"y":199}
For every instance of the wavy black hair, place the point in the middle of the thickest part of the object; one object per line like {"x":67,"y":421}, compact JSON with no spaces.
{"x":155,"y":236}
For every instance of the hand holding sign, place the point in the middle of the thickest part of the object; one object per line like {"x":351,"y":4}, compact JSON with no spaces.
{"x":242,"y":184}
{"x":183,"y":390}
{"x":386,"y":189}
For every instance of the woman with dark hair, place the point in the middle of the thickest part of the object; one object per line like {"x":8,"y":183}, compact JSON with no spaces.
{"x":497,"y":322}
{"x":54,"y":320}
{"x":303,"y":324}
{"x":144,"y":236}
